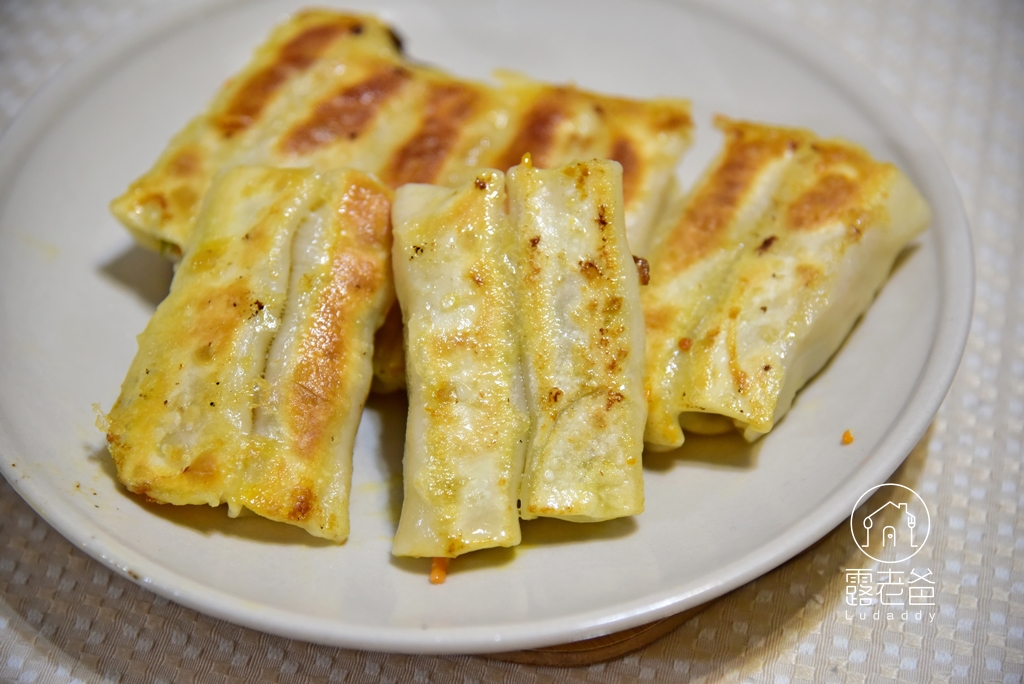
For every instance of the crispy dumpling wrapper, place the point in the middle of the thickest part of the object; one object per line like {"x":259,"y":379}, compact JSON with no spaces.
{"x":330,"y":90}
{"x":319,"y":78}
{"x":251,"y":376}
{"x":583,"y":340}
{"x":759,"y":275}
{"x":468,"y":422}
{"x":524,"y":353}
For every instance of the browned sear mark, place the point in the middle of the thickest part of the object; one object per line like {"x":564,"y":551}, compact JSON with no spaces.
{"x":325,"y":354}
{"x":186,"y":163}
{"x":826,"y":201}
{"x":346,"y":114}
{"x":620,"y":355}
{"x":295,"y":56}
{"x":536,"y":136}
{"x":422,"y":157}
{"x":716,"y":202}
{"x":302,"y":505}
{"x":159,"y":201}
{"x":590,"y":270}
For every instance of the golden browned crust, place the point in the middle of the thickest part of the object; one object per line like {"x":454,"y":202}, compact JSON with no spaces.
{"x":583,"y":343}
{"x":327,"y":351}
{"x":296,"y":55}
{"x":763,"y":270}
{"x":331,"y":90}
{"x":467,"y":417}
{"x":535,"y":134}
{"x":713,"y":205}
{"x":345,"y":114}
{"x":420,"y":160}
{"x":549,"y":130}
{"x":251,"y":377}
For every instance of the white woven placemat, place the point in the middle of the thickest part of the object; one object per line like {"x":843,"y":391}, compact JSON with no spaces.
{"x":959,"y":65}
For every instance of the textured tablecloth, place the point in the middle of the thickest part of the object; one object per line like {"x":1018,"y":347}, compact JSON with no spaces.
{"x":959,"y":65}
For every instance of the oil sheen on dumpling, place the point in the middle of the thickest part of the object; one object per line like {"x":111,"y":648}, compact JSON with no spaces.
{"x":760,"y":274}
{"x":583,"y":339}
{"x":251,"y":376}
{"x":468,"y":423}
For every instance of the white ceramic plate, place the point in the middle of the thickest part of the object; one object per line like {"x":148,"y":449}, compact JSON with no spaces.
{"x":74,"y":292}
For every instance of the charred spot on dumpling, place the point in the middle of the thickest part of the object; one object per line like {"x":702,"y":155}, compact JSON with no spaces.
{"x":613,"y":304}
{"x":302,"y":505}
{"x":619,"y":357}
{"x":581,"y":171}
{"x":766,"y":244}
{"x":589,"y":270}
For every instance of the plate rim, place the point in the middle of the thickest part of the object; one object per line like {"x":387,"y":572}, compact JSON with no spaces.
{"x":954,"y":251}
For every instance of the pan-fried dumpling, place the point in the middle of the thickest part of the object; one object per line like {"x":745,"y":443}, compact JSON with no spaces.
{"x":583,"y":340}
{"x":330,"y":90}
{"x":468,"y":423}
{"x":251,"y":376}
{"x":761,"y":273}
